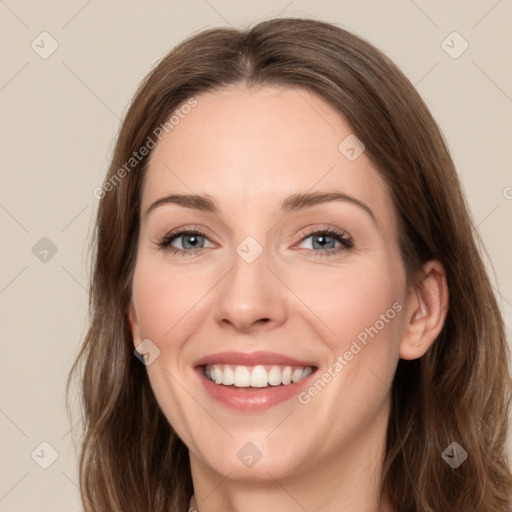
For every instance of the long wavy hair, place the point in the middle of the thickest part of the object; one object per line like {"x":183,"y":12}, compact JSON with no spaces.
{"x":459,"y":391}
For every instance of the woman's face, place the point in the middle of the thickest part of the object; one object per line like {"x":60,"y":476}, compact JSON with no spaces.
{"x":292,"y":271}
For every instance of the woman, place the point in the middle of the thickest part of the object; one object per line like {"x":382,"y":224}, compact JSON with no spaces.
{"x":283,"y":241}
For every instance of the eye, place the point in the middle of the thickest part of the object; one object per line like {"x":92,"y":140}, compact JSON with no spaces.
{"x":186,"y":241}
{"x":323,"y":242}
{"x":326,"y":242}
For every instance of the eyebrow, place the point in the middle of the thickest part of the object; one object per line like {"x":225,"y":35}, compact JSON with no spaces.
{"x":193,"y":201}
{"x":307,"y":200}
{"x":294,"y":202}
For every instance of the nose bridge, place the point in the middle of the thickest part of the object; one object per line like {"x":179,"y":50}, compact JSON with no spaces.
{"x":250,"y":293}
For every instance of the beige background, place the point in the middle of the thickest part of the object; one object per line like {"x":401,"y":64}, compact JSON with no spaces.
{"x":59,"y":119}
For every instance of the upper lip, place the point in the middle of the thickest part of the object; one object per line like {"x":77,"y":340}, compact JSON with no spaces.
{"x":251,"y":359}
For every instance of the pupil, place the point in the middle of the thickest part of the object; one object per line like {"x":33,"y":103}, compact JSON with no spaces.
{"x":191,"y":241}
{"x":323,"y":240}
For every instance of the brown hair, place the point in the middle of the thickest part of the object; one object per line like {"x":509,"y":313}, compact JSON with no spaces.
{"x":460,"y":390}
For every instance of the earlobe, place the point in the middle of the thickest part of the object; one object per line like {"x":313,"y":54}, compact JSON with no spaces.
{"x":426,"y":311}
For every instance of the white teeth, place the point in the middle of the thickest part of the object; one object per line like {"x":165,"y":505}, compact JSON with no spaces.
{"x":307,"y":371}
{"x":259,"y":377}
{"x":229,"y":376}
{"x":217,"y":375}
{"x":286,"y":375}
{"x":242,"y":377}
{"x":296,"y":374}
{"x":255,"y":376}
{"x":274,"y":376}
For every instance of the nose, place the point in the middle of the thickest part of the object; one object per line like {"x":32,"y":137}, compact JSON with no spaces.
{"x":250,"y":297}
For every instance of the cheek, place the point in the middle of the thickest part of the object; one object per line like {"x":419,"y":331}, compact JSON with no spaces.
{"x":362,"y":309}
{"x":366,"y":313}
{"x":166,"y":300}
{"x":346,"y":303}
{"x":363,"y":305}
{"x":354,"y":299}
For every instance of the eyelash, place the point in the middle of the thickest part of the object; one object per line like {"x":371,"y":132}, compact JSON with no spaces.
{"x":345,"y":240}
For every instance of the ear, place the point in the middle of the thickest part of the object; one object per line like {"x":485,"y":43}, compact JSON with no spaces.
{"x":134,"y":324}
{"x":425,"y":312}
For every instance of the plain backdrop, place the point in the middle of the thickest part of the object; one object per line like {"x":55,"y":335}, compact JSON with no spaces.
{"x":68,"y":71}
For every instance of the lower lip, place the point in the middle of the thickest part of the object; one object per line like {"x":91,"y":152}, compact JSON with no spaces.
{"x":252,"y":399}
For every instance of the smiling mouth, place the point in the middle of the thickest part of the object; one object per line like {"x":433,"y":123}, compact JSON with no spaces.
{"x":258,"y":376}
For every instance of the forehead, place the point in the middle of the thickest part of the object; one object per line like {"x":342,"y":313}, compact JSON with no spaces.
{"x":254,"y":147}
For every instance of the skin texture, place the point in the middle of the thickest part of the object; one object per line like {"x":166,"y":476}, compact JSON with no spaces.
{"x":249,"y":149}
